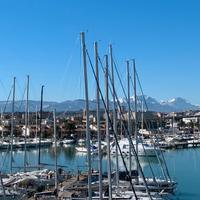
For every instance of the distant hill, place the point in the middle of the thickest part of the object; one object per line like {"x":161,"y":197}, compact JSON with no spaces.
{"x":174,"y":105}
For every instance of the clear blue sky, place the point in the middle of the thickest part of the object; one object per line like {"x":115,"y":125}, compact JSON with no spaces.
{"x":41,"y":38}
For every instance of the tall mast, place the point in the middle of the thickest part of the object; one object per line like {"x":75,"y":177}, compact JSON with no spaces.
{"x":107,"y":128}
{"x":98,"y":122}
{"x":55,"y":142}
{"x":129,"y":114}
{"x":26,"y":122}
{"x":136,"y":121}
{"x":12,"y":125}
{"x":40,"y":133}
{"x":142,"y":118}
{"x":114,"y":115}
{"x":87,"y":115}
{"x":36,"y":123}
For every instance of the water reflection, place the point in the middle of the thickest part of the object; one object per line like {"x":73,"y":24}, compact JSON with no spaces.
{"x":144,"y":162}
{"x":183,"y":165}
{"x":67,"y":156}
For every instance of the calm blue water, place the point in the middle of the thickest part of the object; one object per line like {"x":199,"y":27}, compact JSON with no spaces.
{"x":184,"y":166}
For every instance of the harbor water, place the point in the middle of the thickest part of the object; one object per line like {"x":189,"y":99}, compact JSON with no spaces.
{"x":183,"y":164}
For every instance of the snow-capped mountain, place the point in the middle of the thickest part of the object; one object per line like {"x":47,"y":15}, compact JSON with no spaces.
{"x":173,"y":105}
{"x":179,"y":104}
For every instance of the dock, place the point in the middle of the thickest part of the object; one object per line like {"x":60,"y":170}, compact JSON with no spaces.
{"x":180,"y":145}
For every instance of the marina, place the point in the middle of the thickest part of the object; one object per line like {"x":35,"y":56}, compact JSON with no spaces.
{"x":76,"y":118}
{"x":124,"y":177}
{"x":75,"y":162}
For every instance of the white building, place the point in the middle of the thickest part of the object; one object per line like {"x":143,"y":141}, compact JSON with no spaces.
{"x":187,"y":120}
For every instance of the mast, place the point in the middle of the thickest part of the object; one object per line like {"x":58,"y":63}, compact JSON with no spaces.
{"x":87,"y":115}
{"x":36,"y":123}
{"x":142,"y":118}
{"x":136,"y":120}
{"x":2,"y":123}
{"x":162,"y":161}
{"x":98,"y":122}
{"x":26,"y":123}
{"x":129,"y":113}
{"x":40,"y":133}
{"x":55,"y":142}
{"x":114,"y":115}
{"x":173,"y":130}
{"x":107,"y":127}
{"x":12,"y":125}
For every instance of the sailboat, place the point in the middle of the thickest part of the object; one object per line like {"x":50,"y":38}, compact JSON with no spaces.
{"x":83,"y":149}
{"x":68,"y":140}
{"x":144,"y":150}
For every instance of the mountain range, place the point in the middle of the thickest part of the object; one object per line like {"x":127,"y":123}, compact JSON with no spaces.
{"x":174,"y":105}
